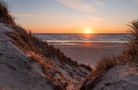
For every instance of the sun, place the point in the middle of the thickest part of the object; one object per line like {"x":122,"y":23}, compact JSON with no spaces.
{"x":88,"y":31}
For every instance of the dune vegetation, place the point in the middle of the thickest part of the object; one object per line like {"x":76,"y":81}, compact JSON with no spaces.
{"x":129,"y":55}
{"x":57,"y":67}
{"x":5,"y":16}
{"x":48,"y":61}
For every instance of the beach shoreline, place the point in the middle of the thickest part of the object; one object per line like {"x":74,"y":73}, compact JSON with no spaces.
{"x":90,"y":54}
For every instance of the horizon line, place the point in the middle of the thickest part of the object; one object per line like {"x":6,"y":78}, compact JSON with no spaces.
{"x":81,"y":33}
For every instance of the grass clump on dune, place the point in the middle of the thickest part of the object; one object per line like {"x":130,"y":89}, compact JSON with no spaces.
{"x":104,"y":65}
{"x":101,"y":67}
{"x":129,"y":55}
{"x":133,"y":47}
{"x":5,"y":17}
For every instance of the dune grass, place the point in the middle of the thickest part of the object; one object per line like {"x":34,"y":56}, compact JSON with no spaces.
{"x":101,"y":67}
{"x":5,"y":16}
{"x":40,"y":52}
{"x":104,"y":65}
{"x":133,"y":47}
{"x":130,"y":54}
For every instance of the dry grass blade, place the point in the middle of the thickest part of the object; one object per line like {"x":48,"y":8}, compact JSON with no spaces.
{"x":5,"y":17}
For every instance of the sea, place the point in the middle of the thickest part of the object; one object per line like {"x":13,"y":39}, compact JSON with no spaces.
{"x":80,"y":39}
{"x":87,"y":48}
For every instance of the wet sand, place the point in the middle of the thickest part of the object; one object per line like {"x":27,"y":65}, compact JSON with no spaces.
{"x":90,"y":54}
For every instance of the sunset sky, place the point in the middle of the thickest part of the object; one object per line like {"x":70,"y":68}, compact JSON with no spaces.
{"x":74,"y":16}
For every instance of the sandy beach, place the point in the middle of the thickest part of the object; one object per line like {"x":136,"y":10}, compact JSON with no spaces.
{"x":90,"y":54}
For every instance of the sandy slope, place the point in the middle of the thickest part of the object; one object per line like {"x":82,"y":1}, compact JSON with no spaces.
{"x":14,"y":73}
{"x":19,"y":72}
{"x":91,"y":54}
{"x":121,"y":77}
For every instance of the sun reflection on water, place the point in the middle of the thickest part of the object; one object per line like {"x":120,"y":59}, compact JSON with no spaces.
{"x":87,"y":39}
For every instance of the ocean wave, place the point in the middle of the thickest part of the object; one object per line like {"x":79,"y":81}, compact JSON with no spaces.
{"x":79,"y":39}
{"x":80,"y":42}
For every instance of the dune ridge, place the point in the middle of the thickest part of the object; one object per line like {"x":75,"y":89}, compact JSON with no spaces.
{"x":28,"y":63}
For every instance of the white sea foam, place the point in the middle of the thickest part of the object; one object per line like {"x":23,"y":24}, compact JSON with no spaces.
{"x":79,"y":39}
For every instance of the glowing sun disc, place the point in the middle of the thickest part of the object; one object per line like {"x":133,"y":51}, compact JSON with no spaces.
{"x":88,"y":31}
